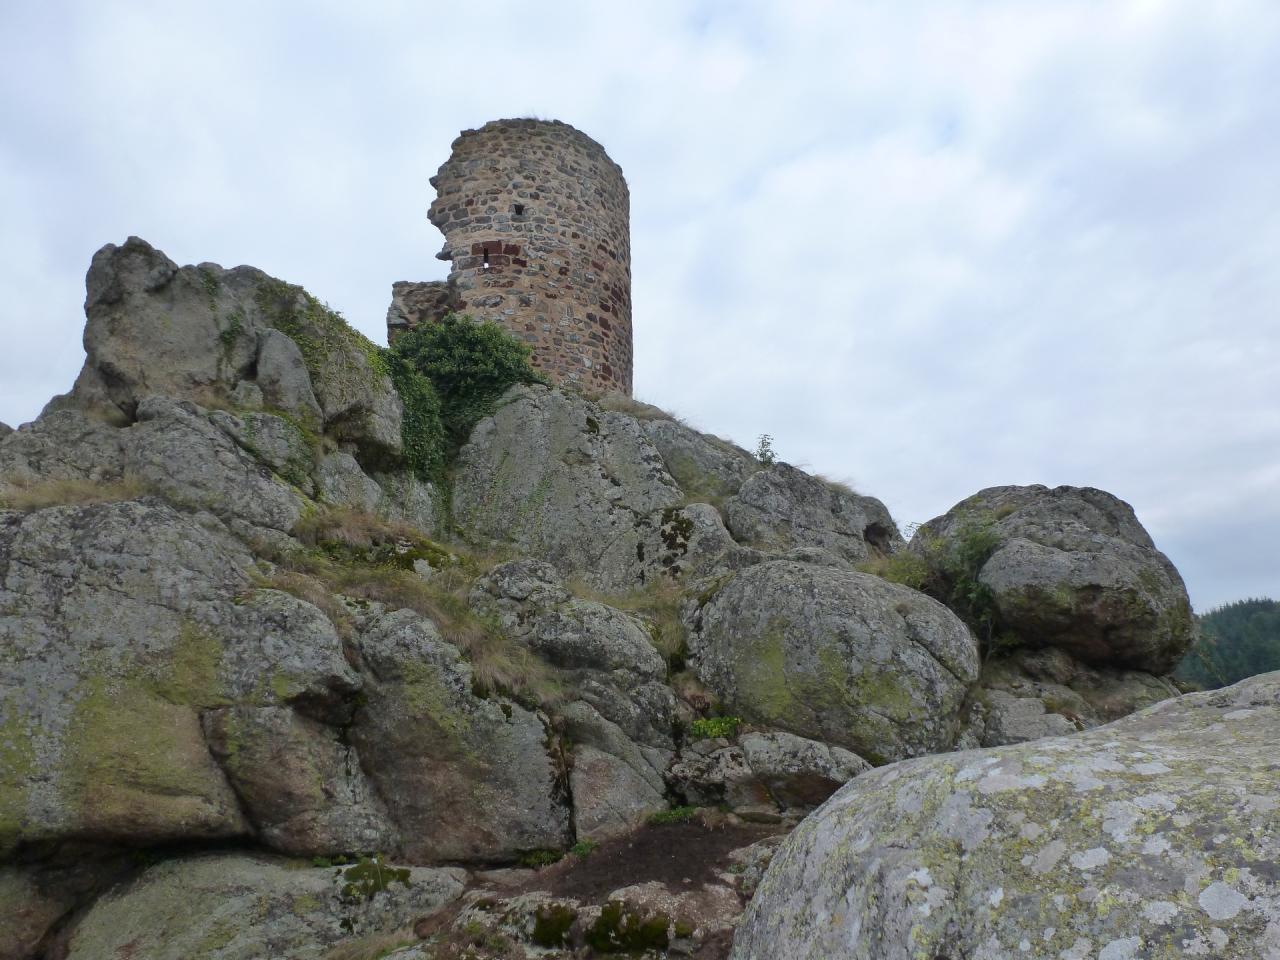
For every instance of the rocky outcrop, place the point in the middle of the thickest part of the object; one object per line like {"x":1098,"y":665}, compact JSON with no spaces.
{"x":781,"y":507}
{"x":835,"y":655}
{"x":619,"y":712}
{"x":1070,"y":568}
{"x":223,"y":627}
{"x":238,"y":907}
{"x":122,"y":623}
{"x":199,"y":333}
{"x":1155,"y":835}
{"x":705,"y":467}
{"x":464,"y":778}
{"x":582,"y":488}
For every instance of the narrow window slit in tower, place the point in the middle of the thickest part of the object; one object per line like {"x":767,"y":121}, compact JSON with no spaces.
{"x":519,"y":209}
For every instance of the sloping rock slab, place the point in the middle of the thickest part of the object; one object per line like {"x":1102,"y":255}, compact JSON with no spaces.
{"x":237,"y":907}
{"x":1155,"y":836}
{"x":583,"y":488}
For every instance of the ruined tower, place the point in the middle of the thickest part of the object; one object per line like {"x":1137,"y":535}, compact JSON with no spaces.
{"x":535,"y":219}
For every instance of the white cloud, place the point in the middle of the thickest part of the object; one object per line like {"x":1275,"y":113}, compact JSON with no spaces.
{"x":928,"y":247}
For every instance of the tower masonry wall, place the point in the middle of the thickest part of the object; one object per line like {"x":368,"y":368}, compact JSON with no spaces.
{"x":536,"y":224}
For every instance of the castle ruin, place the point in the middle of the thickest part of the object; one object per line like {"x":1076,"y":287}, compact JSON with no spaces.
{"x":536,"y":224}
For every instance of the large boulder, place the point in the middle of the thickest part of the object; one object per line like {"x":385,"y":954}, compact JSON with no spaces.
{"x":232,"y":906}
{"x":1156,"y":835}
{"x":837,"y":656}
{"x":120,"y":625}
{"x":1070,"y":568}
{"x":206,"y":334}
{"x":583,"y":488}
{"x":464,"y":778}
{"x":781,"y":507}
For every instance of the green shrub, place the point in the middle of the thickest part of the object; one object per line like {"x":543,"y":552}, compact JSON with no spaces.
{"x":764,"y":450}
{"x":539,"y":858}
{"x":583,"y":848}
{"x":421,"y":426}
{"x":709,"y":728}
{"x":369,"y":877}
{"x":948,"y":571}
{"x":469,"y":364}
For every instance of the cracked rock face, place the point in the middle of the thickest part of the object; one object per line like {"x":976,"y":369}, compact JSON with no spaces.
{"x":567,"y":482}
{"x":834,"y":655}
{"x":1072,"y":568}
{"x":1155,"y":836}
{"x":782,"y":508}
{"x":464,"y":778}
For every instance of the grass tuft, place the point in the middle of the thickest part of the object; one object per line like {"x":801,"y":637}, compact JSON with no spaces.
{"x":56,"y":493}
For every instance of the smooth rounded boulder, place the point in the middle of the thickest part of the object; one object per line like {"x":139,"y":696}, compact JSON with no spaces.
{"x":1155,"y":836}
{"x":1070,"y":568}
{"x":837,"y":656}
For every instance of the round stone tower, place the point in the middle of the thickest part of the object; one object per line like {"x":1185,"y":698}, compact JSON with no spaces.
{"x":536,"y":224}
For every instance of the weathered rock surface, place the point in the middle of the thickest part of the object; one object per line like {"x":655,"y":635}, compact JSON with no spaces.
{"x":301,"y":786}
{"x":620,"y":711}
{"x":118,"y":626}
{"x":199,"y":333}
{"x":239,"y":907}
{"x":1037,"y":693}
{"x":837,"y":656}
{"x":1156,"y":835}
{"x":705,"y":467}
{"x":582,"y":488}
{"x":763,"y":775}
{"x":35,"y":897}
{"x":781,"y":507}
{"x":1071,"y":568}
{"x":463,"y":778}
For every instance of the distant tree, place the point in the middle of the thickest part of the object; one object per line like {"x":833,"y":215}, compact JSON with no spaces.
{"x":1237,"y":640}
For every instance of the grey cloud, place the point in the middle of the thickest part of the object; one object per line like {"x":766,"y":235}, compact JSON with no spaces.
{"x":929,"y":249}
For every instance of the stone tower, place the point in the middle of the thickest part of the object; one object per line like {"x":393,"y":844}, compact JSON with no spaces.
{"x":535,"y":219}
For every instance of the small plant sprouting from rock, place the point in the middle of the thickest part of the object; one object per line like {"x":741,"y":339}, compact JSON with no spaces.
{"x":710,"y":728}
{"x":674,"y":815}
{"x":583,"y":848}
{"x":369,"y":877}
{"x":537,"y":859}
{"x":764,"y":450}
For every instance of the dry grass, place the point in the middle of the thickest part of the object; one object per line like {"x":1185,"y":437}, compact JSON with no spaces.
{"x":373,"y":946}
{"x":56,"y":493}
{"x":351,"y":527}
{"x":905,"y":567}
{"x":621,"y":403}
{"x":838,"y":485}
{"x":351,"y":558}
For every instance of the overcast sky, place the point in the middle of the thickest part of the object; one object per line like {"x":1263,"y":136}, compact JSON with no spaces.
{"x":928,"y":247}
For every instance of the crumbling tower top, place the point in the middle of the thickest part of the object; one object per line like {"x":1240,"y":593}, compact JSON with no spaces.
{"x":536,"y":224}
